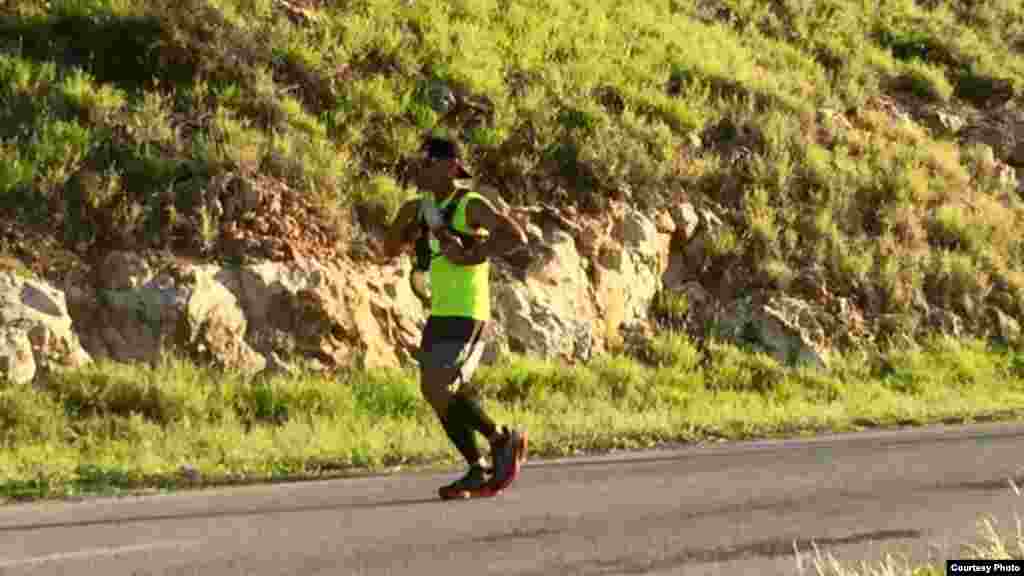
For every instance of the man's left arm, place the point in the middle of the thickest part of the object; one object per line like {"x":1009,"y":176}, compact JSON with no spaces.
{"x":504,"y":234}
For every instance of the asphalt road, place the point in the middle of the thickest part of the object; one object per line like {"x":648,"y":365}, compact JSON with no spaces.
{"x":725,"y":509}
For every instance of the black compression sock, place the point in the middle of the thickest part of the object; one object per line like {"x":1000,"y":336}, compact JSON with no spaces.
{"x":463,"y":438}
{"x":468,"y":410}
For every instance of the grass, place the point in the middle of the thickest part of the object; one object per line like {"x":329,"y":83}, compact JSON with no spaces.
{"x":111,"y":427}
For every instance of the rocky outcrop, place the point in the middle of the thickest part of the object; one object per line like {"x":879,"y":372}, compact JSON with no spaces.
{"x":189,"y":309}
{"x":581,"y":287}
{"x":36,"y":333}
{"x":599,"y":277}
{"x":569,"y":300}
{"x":334,"y":315}
{"x":548,"y":313}
{"x":248,"y":316}
{"x":688,"y":255}
{"x":787,"y":328}
{"x":17,"y":363}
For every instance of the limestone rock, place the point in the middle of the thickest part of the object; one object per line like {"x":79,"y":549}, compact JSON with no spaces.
{"x":35,"y":310}
{"x":17,"y":364}
{"x":787,"y":328}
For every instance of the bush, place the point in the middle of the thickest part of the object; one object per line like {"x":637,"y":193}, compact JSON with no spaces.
{"x":28,"y":416}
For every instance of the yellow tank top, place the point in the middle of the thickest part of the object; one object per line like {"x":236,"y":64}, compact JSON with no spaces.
{"x":459,"y":290}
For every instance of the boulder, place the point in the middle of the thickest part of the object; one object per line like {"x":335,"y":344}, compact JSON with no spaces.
{"x":593,"y":280}
{"x":31,"y":310}
{"x":189,"y":309}
{"x":787,"y":328}
{"x":633,"y":270}
{"x":333,"y":314}
{"x":17,"y":363}
{"x":259,"y":316}
{"x":534,"y":323}
{"x":686,"y":220}
{"x":550,"y":312}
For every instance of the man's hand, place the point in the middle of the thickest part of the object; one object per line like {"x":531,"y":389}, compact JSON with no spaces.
{"x":504,"y":233}
{"x":452,"y":248}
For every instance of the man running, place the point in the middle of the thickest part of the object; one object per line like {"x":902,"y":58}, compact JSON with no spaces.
{"x":460,"y":309}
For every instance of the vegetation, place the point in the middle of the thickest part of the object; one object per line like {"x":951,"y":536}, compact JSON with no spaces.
{"x":114,"y":427}
{"x":118,"y":118}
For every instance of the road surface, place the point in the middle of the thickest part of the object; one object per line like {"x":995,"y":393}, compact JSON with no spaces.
{"x":725,"y":509}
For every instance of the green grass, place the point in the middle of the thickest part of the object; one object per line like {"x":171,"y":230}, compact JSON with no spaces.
{"x":111,"y":427}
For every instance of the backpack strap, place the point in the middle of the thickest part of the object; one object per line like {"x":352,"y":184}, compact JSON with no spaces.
{"x":448,"y":215}
{"x":424,"y":254}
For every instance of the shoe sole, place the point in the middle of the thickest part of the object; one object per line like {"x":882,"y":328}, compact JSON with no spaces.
{"x":518,"y":457}
{"x":485,"y":492}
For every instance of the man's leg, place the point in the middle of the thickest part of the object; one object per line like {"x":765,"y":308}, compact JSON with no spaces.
{"x":464,"y":406}
{"x":449,"y":355}
{"x":435,"y":384}
{"x":508,"y":447}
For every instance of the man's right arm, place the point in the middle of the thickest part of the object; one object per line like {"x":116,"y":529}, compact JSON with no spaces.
{"x":401,"y":232}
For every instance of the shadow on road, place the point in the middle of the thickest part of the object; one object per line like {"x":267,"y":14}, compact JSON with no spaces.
{"x":219,"y":514}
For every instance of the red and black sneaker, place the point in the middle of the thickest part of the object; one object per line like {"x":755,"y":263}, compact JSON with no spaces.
{"x":474,"y":484}
{"x":508,"y":455}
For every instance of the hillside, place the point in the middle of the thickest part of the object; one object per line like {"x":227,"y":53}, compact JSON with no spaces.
{"x":865,"y":150}
{"x":188,"y":186}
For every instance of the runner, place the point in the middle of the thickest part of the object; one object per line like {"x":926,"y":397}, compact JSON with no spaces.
{"x":459,"y":230}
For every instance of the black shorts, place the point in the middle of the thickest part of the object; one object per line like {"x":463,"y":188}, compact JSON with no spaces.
{"x":452,"y":342}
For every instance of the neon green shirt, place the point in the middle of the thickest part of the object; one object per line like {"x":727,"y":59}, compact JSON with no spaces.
{"x":460,"y":290}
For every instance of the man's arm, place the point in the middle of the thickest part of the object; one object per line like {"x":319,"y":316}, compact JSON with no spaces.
{"x":401,"y":232}
{"x":505,"y":235}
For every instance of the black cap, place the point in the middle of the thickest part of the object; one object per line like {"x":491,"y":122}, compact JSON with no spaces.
{"x":442,"y":149}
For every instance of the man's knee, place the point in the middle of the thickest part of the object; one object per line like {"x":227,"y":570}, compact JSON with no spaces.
{"x":435,"y":384}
